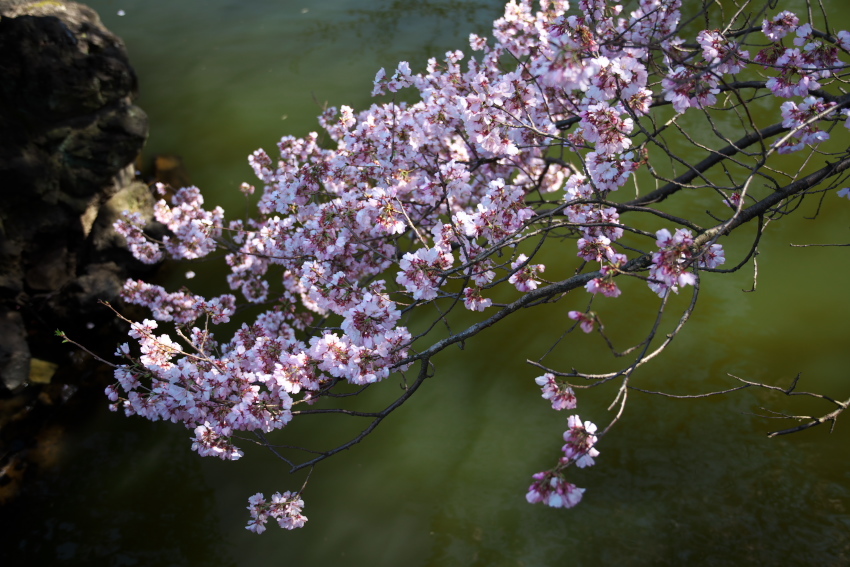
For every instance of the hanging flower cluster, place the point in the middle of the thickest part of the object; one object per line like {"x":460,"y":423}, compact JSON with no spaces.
{"x":551,"y":487}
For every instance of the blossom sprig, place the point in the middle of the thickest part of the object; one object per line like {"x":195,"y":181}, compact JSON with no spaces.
{"x":587,"y":321}
{"x":285,"y":508}
{"x":131,"y":227}
{"x":551,"y":487}
{"x":670,"y":265}
{"x":553,"y":490}
{"x":801,"y":120}
{"x":721,"y":54}
{"x":525,"y":275}
{"x":561,"y":396}
{"x":194,"y":231}
{"x":781,"y":25}
{"x":687,"y":87}
{"x":800,"y":67}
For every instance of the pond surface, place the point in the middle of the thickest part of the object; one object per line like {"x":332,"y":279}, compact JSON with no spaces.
{"x":442,"y":482}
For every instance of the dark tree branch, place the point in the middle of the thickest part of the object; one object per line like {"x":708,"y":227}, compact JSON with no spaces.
{"x":810,"y":421}
{"x":423,"y":374}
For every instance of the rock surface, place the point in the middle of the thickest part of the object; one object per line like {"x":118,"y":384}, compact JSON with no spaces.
{"x":69,"y":135}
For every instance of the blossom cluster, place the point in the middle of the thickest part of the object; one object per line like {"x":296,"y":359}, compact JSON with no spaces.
{"x":670,"y":265}
{"x":551,"y":487}
{"x":410,"y":204}
{"x":801,"y":119}
{"x":285,"y":508}
{"x":801,"y":67}
{"x":561,"y":395}
{"x":131,"y":227}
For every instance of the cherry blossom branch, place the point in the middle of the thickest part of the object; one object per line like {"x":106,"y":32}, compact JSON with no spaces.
{"x":810,"y":421}
{"x":689,"y":396}
{"x":445,"y":202}
{"x":778,"y":196}
{"x":422,"y":376}
{"x":717,"y":156}
{"x":66,"y":339}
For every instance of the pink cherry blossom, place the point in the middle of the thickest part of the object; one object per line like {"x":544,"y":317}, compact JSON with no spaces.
{"x":553,"y":491}
{"x":561,"y":395}
{"x":580,"y":439}
{"x":603,"y":285}
{"x":524,"y":273}
{"x":800,"y":118}
{"x":286,"y":508}
{"x":421,"y":272}
{"x":608,"y":127}
{"x":586,"y":320}
{"x":131,"y":228}
{"x":721,"y":55}
{"x":781,"y":25}
{"x":473,"y":300}
{"x":686,"y":88}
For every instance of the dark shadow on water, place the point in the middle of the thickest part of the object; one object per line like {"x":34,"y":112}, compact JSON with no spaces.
{"x":116,"y":494}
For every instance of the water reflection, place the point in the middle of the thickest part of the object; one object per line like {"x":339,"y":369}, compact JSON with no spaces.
{"x":410,"y":30}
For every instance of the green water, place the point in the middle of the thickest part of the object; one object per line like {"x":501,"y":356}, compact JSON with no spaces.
{"x":442,"y":481}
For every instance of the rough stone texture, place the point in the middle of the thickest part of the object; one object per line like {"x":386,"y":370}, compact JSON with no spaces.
{"x":69,"y":124}
{"x":135,"y":197}
{"x":14,"y":354}
{"x":69,"y":134}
